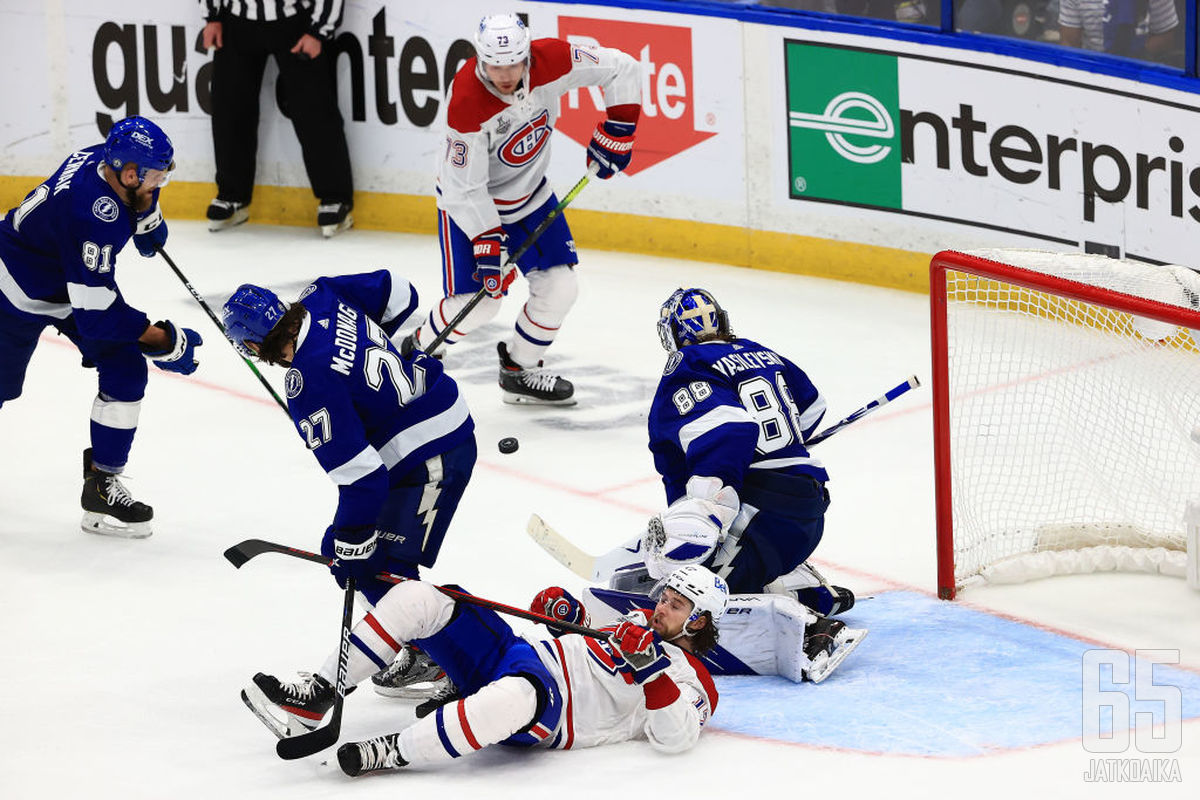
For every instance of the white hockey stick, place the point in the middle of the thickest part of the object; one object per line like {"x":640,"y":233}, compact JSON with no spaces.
{"x":599,"y":569}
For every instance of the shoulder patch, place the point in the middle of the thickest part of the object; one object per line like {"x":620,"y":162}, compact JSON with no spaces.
{"x":105,"y":209}
{"x":549,"y":60}
{"x":293,"y":383}
{"x":312,"y":287}
{"x":673,"y":361}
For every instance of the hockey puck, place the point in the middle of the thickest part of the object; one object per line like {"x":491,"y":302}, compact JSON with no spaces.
{"x":508,"y":445}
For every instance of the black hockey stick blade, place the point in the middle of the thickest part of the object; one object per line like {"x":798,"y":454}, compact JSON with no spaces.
{"x":242,"y":552}
{"x":307,"y":744}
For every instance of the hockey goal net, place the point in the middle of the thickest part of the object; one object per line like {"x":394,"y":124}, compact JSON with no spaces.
{"x":1066,"y":414}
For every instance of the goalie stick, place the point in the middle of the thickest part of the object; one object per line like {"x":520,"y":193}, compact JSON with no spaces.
{"x":477,"y":298}
{"x":599,"y":569}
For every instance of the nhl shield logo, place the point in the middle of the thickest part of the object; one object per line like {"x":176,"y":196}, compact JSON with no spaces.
{"x":293,"y":383}
{"x":105,"y":209}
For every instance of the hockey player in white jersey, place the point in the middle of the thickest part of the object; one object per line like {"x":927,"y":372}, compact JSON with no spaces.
{"x":492,"y":189}
{"x":572,"y":691}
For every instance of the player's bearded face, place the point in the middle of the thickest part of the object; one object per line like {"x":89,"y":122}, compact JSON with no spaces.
{"x":506,"y":79}
{"x":670,"y":614}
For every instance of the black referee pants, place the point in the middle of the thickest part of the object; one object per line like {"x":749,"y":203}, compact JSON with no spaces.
{"x":310,"y":100}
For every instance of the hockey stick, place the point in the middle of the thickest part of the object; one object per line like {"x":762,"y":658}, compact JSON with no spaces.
{"x":599,"y":569}
{"x":293,"y":747}
{"x":221,"y":328}
{"x":912,"y":383}
{"x":477,"y":298}
{"x":242,"y":552}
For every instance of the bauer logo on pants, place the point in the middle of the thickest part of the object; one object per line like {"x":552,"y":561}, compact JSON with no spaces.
{"x":843,"y":132}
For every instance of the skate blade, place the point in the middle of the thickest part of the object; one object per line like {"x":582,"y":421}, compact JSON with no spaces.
{"x":104,"y":525}
{"x":422,"y":690}
{"x":329,"y":231}
{"x":526,"y":400}
{"x":845,"y":642}
{"x":258,"y":704}
{"x":239,"y":217}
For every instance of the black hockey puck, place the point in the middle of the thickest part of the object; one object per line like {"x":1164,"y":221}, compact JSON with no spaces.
{"x":508,"y":445}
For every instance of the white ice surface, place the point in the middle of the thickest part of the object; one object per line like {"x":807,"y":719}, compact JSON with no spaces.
{"x":121,"y":661}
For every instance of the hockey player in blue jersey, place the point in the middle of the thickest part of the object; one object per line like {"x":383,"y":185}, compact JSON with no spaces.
{"x":727,"y":429}
{"x":58,"y":256}
{"x":393,"y":432}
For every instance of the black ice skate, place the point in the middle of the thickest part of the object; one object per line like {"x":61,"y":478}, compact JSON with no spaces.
{"x":827,"y":642}
{"x":412,"y":676}
{"x":289,"y":709}
{"x":334,"y":218}
{"x":373,"y":755}
{"x":413,"y":342}
{"x":224,"y":214}
{"x":536,"y":386}
{"x":108,"y":508}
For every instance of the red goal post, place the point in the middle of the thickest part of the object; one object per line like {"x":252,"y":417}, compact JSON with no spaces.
{"x":1066,"y":407}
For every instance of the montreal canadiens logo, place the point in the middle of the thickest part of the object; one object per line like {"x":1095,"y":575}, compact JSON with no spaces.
{"x":105,"y":209}
{"x":526,"y":141}
{"x":293,"y":382}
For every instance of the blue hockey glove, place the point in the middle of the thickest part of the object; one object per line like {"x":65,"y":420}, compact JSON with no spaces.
{"x":180,"y":352}
{"x":151,"y":233}
{"x":488,"y":271}
{"x":558,"y":603}
{"x":611,"y":147}
{"x":353,"y":552}
{"x":638,"y":652}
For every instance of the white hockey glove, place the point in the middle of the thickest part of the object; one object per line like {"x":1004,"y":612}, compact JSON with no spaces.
{"x":691,"y":527}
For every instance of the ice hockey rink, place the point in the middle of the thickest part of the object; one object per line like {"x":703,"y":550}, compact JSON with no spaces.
{"x":122,"y":660}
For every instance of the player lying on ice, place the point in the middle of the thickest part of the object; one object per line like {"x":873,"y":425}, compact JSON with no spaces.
{"x":644,"y":681}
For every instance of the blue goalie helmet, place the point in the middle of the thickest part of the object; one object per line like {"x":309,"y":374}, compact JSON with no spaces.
{"x":137,"y":140}
{"x":249,"y":315}
{"x":690,"y":316}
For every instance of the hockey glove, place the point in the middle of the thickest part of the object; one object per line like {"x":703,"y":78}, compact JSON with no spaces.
{"x":638,"y":652}
{"x":180,"y":353}
{"x":611,"y":147}
{"x":488,"y":271}
{"x":353,"y":552}
{"x":151,"y":233}
{"x":558,"y":603}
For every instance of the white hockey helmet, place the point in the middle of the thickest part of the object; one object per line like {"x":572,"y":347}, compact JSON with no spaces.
{"x":501,"y":40}
{"x":707,"y":590}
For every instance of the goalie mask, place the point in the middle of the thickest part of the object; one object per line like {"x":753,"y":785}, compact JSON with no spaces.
{"x":501,"y":40}
{"x":249,"y":315}
{"x":707,"y":591}
{"x":690,"y":316}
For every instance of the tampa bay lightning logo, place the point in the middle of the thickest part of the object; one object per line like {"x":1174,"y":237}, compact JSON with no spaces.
{"x":105,"y":209}
{"x":673,"y":361}
{"x":293,"y":383}
{"x":312,"y":287}
{"x":526,"y":141}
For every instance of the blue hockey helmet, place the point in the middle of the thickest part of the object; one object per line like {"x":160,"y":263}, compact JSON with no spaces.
{"x":249,"y":315}
{"x":689,"y":316}
{"x":137,"y":140}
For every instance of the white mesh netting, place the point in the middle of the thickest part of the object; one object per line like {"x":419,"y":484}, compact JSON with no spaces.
{"x":1071,"y":425}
